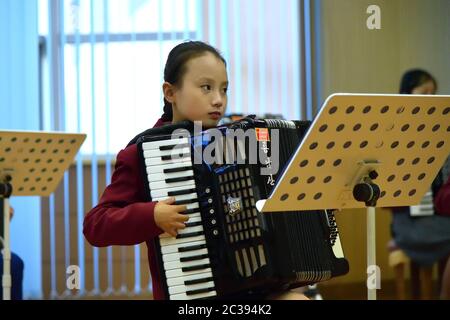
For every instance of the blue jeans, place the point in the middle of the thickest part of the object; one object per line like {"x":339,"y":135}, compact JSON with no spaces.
{"x":16,"y":276}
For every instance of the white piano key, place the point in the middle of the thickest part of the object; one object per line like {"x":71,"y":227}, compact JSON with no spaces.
{"x":194,"y":219}
{"x":173,"y":273}
{"x":177,"y":264}
{"x":158,"y":161}
{"x":174,"y":248}
{"x":173,"y":240}
{"x":183,"y":288}
{"x":177,"y":256}
{"x":183,"y":231}
{"x":154,"y":177}
{"x":167,"y":142}
{"x":160,"y":164}
{"x":181,"y":280}
{"x":160,"y":193}
{"x":163,"y":184}
{"x":182,"y":197}
{"x":193,"y":215}
{"x":184,"y":296}
{"x":148,"y":154}
{"x":161,"y":168}
{"x":190,"y":229}
{"x":194,"y":205}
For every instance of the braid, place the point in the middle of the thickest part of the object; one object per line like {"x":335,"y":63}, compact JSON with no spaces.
{"x":168,"y":113}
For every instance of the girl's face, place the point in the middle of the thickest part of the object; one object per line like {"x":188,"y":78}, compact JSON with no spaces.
{"x":202,"y":95}
{"x":425,"y":88}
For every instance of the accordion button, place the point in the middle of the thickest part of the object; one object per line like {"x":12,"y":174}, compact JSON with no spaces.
{"x":210,"y":200}
{"x":213,"y":221}
{"x":208,"y":190}
{"x":215,"y":232}
{"x":211,"y":211}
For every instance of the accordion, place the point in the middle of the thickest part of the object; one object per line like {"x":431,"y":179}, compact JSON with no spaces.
{"x":426,"y":205}
{"x":228,"y":248}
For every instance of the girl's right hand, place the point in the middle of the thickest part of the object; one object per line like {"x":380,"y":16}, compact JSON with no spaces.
{"x":168,"y":217}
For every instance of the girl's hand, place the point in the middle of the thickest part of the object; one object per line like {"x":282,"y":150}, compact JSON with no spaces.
{"x":168,"y":217}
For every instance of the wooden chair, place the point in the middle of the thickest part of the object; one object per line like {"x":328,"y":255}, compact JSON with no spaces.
{"x":421,"y":277}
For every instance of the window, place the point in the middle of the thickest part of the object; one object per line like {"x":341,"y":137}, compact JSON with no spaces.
{"x":111,"y":65}
{"x":107,"y":59}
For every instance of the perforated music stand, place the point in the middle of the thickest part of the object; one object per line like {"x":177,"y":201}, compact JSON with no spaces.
{"x":31,"y":164}
{"x":361,"y":147}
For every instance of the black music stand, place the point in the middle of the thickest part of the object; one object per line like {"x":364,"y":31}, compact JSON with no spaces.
{"x":366,"y":151}
{"x":31,"y":164}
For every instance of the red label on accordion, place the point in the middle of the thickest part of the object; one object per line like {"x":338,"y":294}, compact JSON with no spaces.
{"x":262,"y":134}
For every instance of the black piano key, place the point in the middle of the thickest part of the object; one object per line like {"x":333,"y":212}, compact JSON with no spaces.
{"x":180,"y":192}
{"x":191,"y":234}
{"x":192,"y":292}
{"x":179,"y":179}
{"x":193,"y":258}
{"x":187,"y":201}
{"x":191,"y":211}
{"x":190,"y":248}
{"x":193,"y":224}
{"x":177,"y":156}
{"x":179,"y":169}
{"x":194,"y":268}
{"x":173,"y":146}
{"x":197,"y":281}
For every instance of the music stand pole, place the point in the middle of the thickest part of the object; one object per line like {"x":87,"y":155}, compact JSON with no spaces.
{"x":5,"y":193}
{"x":369,"y":192}
{"x":371,"y":248}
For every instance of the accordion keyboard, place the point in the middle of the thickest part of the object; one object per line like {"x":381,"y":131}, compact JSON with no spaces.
{"x":186,"y":261}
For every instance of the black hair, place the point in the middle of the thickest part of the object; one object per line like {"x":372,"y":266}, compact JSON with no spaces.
{"x":414,"y":78}
{"x":176,"y":66}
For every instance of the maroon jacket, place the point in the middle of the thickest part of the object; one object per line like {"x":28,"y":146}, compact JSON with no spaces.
{"x":442,"y":200}
{"x":122,"y":216}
